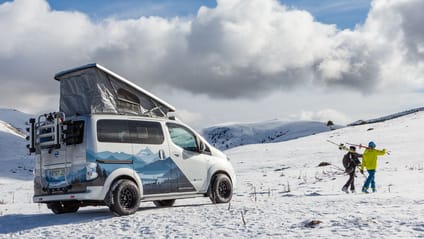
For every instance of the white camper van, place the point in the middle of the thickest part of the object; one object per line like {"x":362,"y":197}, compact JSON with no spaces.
{"x":112,"y":143}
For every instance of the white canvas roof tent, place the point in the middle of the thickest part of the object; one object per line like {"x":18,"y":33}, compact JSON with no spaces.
{"x":93,"y":89}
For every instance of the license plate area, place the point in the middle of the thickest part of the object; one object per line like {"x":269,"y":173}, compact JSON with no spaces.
{"x":57,"y":172}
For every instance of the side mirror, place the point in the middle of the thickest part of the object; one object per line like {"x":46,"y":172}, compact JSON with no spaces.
{"x":203,"y":148}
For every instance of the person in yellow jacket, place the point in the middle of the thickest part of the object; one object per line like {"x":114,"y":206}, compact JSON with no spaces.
{"x":369,"y":161}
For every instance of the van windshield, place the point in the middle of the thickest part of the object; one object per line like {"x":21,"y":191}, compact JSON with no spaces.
{"x":183,"y":137}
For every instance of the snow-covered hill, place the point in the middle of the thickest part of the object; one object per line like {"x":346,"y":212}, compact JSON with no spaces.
{"x":226,"y":136}
{"x":290,"y":191}
{"x":10,"y":129}
{"x":15,"y":118}
{"x":230,"y":135}
{"x":14,"y":161}
{"x":281,"y":193}
{"x":387,"y":117}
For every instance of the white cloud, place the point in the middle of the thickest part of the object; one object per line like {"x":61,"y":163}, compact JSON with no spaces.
{"x":189,"y":117}
{"x":240,"y":49}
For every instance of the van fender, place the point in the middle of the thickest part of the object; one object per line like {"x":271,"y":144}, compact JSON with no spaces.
{"x":224,"y":168}
{"x":121,"y":173}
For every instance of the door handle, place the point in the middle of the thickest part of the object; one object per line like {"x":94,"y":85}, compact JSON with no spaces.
{"x":162,"y":155}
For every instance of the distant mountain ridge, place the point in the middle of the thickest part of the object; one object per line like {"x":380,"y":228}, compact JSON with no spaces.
{"x":387,"y":117}
{"x":8,"y":128}
{"x":15,"y":118}
{"x":228,"y":136}
{"x":224,"y":136}
{"x":232,"y":135}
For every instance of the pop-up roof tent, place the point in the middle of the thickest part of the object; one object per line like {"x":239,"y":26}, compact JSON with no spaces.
{"x":93,"y":89}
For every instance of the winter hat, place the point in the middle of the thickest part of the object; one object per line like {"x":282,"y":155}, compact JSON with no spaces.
{"x":352,"y":148}
{"x":371,"y":145}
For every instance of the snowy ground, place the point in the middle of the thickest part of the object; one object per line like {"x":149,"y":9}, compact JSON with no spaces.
{"x":281,"y":190}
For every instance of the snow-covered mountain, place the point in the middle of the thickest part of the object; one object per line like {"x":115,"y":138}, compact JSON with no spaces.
{"x":10,"y":129}
{"x":15,"y":118}
{"x":230,"y":135}
{"x":281,"y":193}
{"x":387,"y":117}
{"x":14,"y":161}
{"x":226,"y":136}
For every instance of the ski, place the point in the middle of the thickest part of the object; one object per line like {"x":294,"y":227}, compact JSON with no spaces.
{"x":341,"y":146}
{"x":366,"y":147}
{"x":359,"y":145}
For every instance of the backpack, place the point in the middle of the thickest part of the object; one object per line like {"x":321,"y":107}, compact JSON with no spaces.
{"x":346,"y":161}
{"x":350,"y":161}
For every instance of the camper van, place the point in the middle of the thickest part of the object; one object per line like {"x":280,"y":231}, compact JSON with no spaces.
{"x":115,"y":144}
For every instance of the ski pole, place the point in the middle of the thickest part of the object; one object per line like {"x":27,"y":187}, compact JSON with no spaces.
{"x":363,"y":174}
{"x":337,"y":167}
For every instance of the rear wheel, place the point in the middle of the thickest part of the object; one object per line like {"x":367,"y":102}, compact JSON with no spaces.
{"x":164,"y":203}
{"x":125,"y":197}
{"x":63,"y":207}
{"x":221,"y":189}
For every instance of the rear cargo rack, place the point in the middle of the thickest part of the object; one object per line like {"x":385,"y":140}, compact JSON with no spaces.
{"x":46,"y":131}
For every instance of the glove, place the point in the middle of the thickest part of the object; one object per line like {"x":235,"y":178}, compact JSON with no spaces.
{"x":362,"y":171}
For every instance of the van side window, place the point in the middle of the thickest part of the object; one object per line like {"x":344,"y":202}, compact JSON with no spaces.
{"x":129,"y":131}
{"x":114,"y":131}
{"x":183,"y":137}
{"x":145,"y":132}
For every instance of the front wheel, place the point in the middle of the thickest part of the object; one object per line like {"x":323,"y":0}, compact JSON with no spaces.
{"x":221,"y":189}
{"x":63,"y":207}
{"x":125,"y":197}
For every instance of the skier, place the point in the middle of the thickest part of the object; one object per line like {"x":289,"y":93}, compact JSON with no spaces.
{"x":350,"y":162}
{"x":369,"y":161}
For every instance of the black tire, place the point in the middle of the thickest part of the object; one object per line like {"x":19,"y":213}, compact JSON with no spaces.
{"x":125,"y":198}
{"x":221,"y":189}
{"x":164,"y":203}
{"x":63,"y":207}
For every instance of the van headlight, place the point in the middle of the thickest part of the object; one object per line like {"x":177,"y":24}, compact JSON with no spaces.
{"x":91,"y":171}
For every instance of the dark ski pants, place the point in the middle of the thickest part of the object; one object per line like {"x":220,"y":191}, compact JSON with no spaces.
{"x":351,"y":181}
{"x":370,"y":179}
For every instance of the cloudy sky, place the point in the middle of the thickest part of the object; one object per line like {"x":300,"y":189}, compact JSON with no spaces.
{"x":225,"y":60}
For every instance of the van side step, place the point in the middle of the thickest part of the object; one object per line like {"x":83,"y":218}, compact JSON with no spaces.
{"x":167,"y":196}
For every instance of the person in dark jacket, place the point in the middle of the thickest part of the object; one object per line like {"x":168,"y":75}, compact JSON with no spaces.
{"x":350,"y":162}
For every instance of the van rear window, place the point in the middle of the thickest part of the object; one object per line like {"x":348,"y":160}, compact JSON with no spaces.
{"x":129,"y":131}
{"x":74,"y":133}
